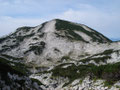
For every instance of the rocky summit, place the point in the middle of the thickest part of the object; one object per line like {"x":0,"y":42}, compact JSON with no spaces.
{"x":59,"y":55}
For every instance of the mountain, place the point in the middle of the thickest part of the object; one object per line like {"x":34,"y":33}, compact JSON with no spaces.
{"x":62,"y":55}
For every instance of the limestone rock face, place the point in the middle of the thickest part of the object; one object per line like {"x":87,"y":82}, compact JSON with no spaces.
{"x":64,"y":55}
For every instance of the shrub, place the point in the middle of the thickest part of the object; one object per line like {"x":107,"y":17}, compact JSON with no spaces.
{"x":110,"y":72}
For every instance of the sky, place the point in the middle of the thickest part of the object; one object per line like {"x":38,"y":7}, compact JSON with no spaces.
{"x":101,"y":15}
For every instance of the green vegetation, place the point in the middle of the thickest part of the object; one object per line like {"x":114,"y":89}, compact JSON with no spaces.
{"x":4,"y":49}
{"x":13,"y":67}
{"x":81,"y":81}
{"x":108,"y":84}
{"x":84,"y":55}
{"x":39,"y":30}
{"x":117,"y":86}
{"x":35,"y":38}
{"x":106,"y":52}
{"x":37,"y":81}
{"x":3,"y":39}
{"x":57,"y":50}
{"x":18,"y":40}
{"x":97,"y":60}
{"x":106,"y":56}
{"x":110,"y":73}
{"x":101,"y":59}
{"x":41,"y":35}
{"x":69,"y":33}
{"x":37,"y":49}
{"x":21,"y":38}
{"x":24,"y":29}
{"x":11,"y":57}
{"x":70,"y":27}
{"x":73,"y":36}
{"x":10,"y":36}
{"x":65,"y":57}
{"x":58,"y":35}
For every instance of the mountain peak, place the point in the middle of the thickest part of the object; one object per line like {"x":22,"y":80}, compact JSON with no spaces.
{"x":50,"y":33}
{"x":60,"y":53}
